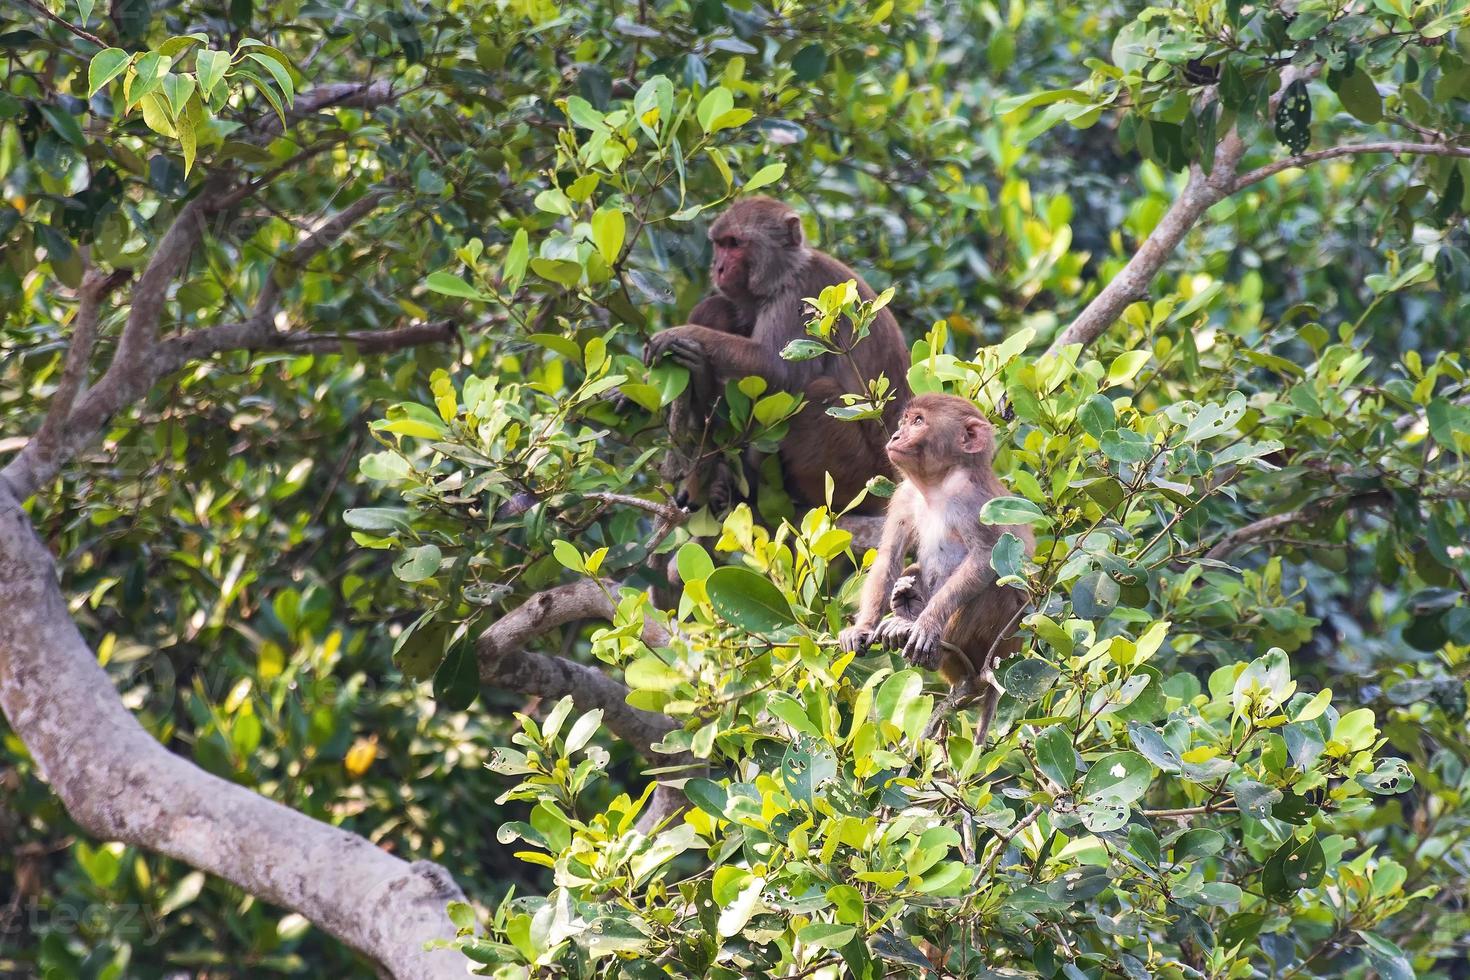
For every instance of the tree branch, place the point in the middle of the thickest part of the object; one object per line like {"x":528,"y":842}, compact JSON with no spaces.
{"x":120,"y":784}
{"x":1201,"y":192}
{"x":141,"y":359}
{"x":1267,"y":526}
{"x":95,"y":287}
{"x":85,"y":35}
{"x":505,"y":663}
{"x":1352,"y":149}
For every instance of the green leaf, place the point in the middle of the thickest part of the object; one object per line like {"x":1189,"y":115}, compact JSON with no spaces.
{"x":582,"y":731}
{"x":825,"y":935}
{"x":1126,"y":365}
{"x":1151,"y":744}
{"x":1255,"y":799}
{"x":737,"y":913}
{"x":1097,"y":416}
{"x":1011,"y":510}
{"x":1122,"y":776}
{"x":766,"y":175}
{"x":1392,"y":776}
{"x":807,"y":767}
{"x":708,"y":795}
{"x":716,"y":103}
{"x":562,"y":271}
{"x":1103,"y":815}
{"x":1293,"y":866}
{"x":609,"y":228}
{"x":418,"y":564}
{"x":568,"y":555}
{"x":106,"y":65}
{"x":1095,"y":595}
{"x":1008,"y":556}
{"x":649,"y":673}
{"x":516,"y":258}
{"x":1027,"y":680}
{"x":1126,"y":446}
{"x":1360,"y":96}
{"x":146,"y":76}
{"x":748,"y":600}
{"x":809,"y":63}
{"x":452,"y":285}
{"x":803,"y":349}
{"x":457,"y":681}
{"x":377,"y":518}
{"x":64,"y":124}
{"x":278,"y":72}
{"x":1055,"y":755}
{"x":209,"y":67}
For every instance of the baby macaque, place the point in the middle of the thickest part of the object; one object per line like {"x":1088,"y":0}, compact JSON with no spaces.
{"x":947,"y":611}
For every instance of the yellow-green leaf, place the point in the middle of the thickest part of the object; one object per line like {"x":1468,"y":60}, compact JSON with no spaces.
{"x":106,"y":65}
{"x":609,"y":228}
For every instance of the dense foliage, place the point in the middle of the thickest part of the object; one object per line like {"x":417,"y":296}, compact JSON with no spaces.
{"x":1222,"y":753}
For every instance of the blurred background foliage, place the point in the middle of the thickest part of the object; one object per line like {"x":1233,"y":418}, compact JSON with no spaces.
{"x":213,"y":545}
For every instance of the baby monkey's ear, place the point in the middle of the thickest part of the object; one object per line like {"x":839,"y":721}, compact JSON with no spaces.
{"x":977,"y":437}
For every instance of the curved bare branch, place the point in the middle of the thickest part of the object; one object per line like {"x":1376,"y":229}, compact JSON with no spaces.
{"x":120,"y":784}
{"x":504,"y":661}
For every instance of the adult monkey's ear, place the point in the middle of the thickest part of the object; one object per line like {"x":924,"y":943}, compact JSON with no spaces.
{"x":793,"y":230}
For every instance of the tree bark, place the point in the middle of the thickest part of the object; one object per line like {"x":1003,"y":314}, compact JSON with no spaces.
{"x":120,"y":784}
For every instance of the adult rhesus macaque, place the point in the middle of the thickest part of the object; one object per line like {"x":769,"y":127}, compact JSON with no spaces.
{"x":946,"y":609}
{"x":763,"y":269}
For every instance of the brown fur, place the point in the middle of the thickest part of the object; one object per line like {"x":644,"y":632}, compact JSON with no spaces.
{"x":763,"y":269}
{"x":945,"y":449}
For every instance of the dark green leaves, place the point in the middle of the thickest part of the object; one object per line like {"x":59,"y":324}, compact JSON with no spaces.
{"x":1294,"y":865}
{"x":1294,"y":117}
{"x":747,"y":600}
{"x":1095,"y":595}
{"x":1055,"y":755}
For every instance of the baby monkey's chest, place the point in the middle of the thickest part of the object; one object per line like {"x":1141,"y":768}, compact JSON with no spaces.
{"x":941,"y":547}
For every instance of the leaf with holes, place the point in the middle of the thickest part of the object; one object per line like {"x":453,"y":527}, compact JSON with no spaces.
{"x":1028,"y":680}
{"x":1104,"y":815}
{"x":1294,"y":865}
{"x":1392,"y":776}
{"x":1294,"y":117}
{"x":1153,"y":747}
{"x":1119,"y":775}
{"x":1255,"y":799}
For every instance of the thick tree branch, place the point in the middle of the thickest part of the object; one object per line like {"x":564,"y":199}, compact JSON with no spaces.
{"x":95,"y":287}
{"x":120,"y":784}
{"x":1351,"y":149}
{"x":130,"y":374}
{"x":141,"y":359}
{"x":1201,"y":192}
{"x":504,"y":661}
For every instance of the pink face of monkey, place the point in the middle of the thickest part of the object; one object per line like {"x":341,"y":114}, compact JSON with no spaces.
{"x":730,"y":269}
{"x":754,"y":241}
{"x":937,"y":433}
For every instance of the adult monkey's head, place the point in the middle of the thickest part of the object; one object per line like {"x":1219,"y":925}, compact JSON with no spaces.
{"x":758,"y":245}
